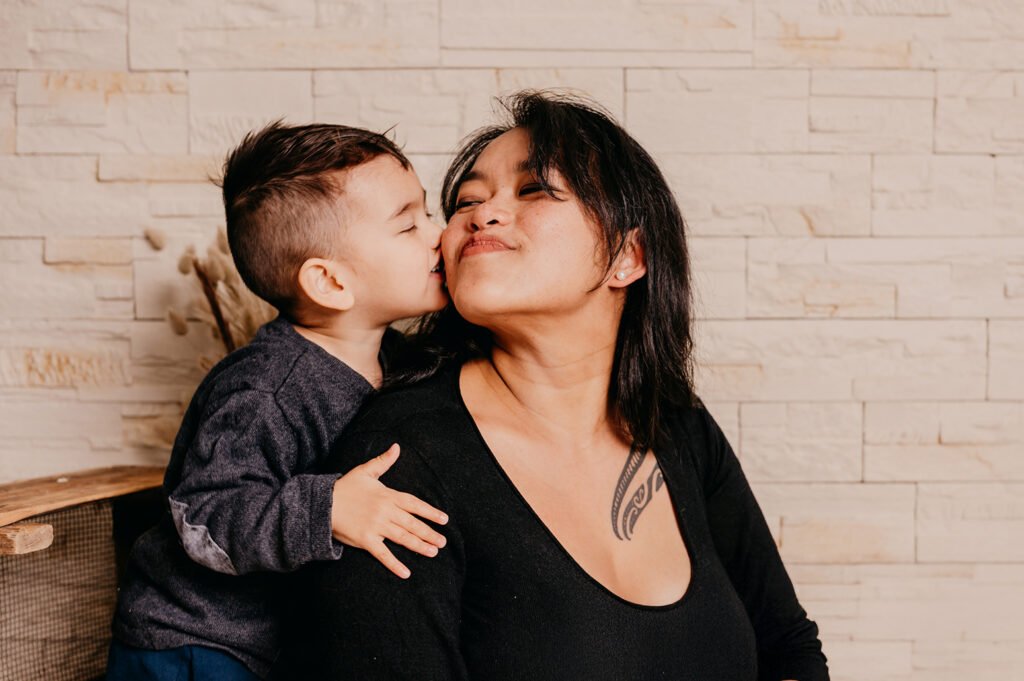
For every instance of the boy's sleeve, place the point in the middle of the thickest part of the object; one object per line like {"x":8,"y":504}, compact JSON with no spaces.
{"x":236,"y":504}
{"x":361,"y":621}
{"x":787,"y":641}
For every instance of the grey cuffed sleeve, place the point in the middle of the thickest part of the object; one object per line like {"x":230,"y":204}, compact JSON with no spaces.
{"x":323,"y":545}
{"x":237,"y":506}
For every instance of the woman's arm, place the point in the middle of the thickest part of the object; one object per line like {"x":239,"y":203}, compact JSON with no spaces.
{"x":787,"y":641}
{"x":363,"y":622}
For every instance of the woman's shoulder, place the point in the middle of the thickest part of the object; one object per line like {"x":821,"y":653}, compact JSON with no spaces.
{"x":398,"y":405}
{"x":695,"y":434}
{"x":425,"y":418}
{"x":687,"y":421}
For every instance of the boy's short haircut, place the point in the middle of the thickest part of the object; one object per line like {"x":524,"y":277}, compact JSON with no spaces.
{"x":281,"y":190}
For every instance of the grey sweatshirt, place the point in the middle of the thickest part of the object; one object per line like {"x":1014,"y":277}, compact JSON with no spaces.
{"x":244,"y":504}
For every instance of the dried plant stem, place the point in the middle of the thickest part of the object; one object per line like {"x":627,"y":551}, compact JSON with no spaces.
{"x":211,"y":298}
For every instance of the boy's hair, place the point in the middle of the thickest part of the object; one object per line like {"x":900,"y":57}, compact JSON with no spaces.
{"x":281,"y":187}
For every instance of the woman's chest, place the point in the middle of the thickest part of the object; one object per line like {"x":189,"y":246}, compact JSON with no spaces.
{"x":531,"y":610}
{"x":610,"y":512}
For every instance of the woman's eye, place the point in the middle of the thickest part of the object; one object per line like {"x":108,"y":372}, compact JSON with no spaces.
{"x":530,"y":189}
{"x":465,"y":203}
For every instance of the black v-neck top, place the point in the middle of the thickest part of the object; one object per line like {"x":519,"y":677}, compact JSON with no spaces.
{"x":504,"y":600}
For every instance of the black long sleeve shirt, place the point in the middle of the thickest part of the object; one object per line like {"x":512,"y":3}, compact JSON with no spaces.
{"x":504,"y":600}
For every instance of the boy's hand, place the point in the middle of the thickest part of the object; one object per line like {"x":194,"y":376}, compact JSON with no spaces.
{"x":365,"y":512}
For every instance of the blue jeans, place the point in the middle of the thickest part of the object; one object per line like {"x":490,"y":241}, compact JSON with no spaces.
{"x":188,"y":663}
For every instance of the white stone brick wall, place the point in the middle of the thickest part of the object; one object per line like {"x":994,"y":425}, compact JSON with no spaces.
{"x":853,"y":176}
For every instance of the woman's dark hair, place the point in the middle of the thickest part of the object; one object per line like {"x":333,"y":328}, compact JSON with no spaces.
{"x":620,"y":186}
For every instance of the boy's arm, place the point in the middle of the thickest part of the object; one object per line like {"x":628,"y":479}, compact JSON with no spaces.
{"x":236,"y":504}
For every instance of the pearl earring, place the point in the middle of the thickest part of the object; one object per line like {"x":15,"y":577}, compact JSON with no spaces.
{"x":621,"y":276}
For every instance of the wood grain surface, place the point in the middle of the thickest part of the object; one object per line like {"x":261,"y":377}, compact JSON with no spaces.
{"x":22,"y":538}
{"x":27,"y":498}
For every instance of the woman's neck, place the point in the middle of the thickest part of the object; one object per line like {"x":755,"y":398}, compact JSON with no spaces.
{"x":554,"y":382}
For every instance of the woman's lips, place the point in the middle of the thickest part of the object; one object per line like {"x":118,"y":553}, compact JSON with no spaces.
{"x":477,"y":246}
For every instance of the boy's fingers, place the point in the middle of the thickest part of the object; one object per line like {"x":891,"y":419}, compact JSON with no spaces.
{"x":381,"y":553}
{"x":420,"y":529}
{"x":413,"y":504}
{"x":379,"y":465}
{"x":410,"y":541}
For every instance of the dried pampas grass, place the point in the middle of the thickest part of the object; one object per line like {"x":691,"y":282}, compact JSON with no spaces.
{"x":223,"y":303}
{"x":157,"y":239}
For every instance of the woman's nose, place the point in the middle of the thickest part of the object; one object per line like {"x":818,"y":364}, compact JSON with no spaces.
{"x":488,"y":214}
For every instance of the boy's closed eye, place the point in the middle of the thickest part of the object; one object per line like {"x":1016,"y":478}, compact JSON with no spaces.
{"x":414,"y":226}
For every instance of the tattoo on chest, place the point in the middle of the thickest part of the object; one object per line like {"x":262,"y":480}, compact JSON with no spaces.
{"x":626,"y":508}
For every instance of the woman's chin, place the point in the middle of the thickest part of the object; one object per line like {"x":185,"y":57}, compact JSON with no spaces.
{"x":473,"y":314}
{"x":480,"y":308}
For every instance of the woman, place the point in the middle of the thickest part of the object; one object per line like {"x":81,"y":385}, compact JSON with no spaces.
{"x":600,"y":525}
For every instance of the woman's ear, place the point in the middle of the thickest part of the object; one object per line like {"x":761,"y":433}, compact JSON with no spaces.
{"x":631,"y":263}
{"x":324,"y":283}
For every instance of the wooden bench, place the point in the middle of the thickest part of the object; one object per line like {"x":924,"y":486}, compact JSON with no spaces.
{"x":63,"y":543}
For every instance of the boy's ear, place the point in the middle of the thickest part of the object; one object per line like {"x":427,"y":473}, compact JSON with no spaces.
{"x":325,"y":283}
{"x":631,"y":263}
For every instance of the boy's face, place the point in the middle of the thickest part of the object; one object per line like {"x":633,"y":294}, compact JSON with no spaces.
{"x":389,"y":243}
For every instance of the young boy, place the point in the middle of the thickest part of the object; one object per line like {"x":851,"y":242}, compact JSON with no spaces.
{"x":328,"y":224}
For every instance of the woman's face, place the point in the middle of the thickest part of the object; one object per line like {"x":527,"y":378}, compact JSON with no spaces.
{"x":510,"y":248}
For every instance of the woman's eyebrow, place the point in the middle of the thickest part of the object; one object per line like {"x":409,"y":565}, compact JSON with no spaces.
{"x":521,"y":167}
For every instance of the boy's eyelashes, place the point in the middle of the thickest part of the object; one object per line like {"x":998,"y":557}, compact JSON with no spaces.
{"x":413,"y":226}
